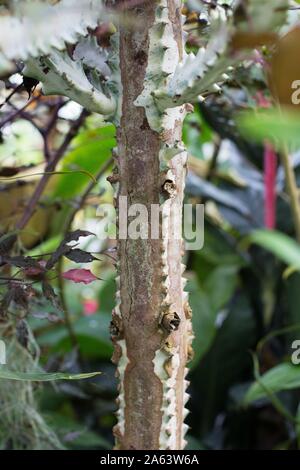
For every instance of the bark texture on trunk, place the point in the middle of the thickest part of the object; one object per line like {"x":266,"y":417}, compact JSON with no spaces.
{"x":151,"y":325}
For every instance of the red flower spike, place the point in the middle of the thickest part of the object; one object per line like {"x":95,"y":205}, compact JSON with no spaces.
{"x":270,"y":168}
{"x":90,"y":307}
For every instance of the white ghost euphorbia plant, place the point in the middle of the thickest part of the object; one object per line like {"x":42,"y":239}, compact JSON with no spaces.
{"x":144,"y":83}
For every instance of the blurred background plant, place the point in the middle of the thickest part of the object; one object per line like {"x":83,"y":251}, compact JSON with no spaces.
{"x":244,"y":284}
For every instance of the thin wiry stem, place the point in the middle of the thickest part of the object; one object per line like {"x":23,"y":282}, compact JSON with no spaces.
{"x":292,"y":190}
{"x":50,"y":167}
{"x":67,"y":317}
{"x":11,"y":117}
{"x":59,"y":270}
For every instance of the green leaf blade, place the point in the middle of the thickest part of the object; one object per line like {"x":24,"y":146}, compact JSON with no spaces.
{"x":285,"y":376}
{"x":44,"y":376}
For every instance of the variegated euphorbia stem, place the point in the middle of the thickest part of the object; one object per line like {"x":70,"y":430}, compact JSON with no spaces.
{"x":151,"y":325}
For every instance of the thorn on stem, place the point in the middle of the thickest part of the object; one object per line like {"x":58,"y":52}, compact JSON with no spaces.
{"x":170,"y":321}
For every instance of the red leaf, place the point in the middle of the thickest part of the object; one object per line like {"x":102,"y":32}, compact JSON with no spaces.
{"x":80,"y":275}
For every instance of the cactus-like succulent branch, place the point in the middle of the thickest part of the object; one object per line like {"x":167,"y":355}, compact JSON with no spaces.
{"x":199,"y":74}
{"x":90,"y":76}
{"x":152,"y":317}
{"x":61,"y":75}
{"x":33,"y":28}
{"x":151,"y":324}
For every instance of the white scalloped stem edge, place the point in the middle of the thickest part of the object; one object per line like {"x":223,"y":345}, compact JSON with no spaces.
{"x":40,"y":26}
{"x":60,"y":75}
{"x":163,"y":57}
{"x":37,"y":27}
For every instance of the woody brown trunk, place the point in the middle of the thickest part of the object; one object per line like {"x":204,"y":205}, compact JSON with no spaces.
{"x":151,"y":326}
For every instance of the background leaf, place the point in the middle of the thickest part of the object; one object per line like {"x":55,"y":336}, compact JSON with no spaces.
{"x":282,"y":377}
{"x":92,"y":149}
{"x":43,"y":376}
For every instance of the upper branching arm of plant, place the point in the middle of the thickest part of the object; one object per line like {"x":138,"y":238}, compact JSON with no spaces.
{"x":37,"y":33}
{"x":31,"y":28}
{"x":202,"y":73}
